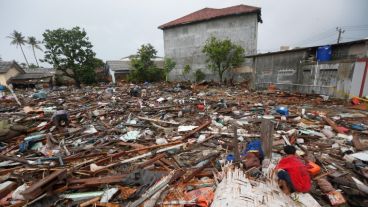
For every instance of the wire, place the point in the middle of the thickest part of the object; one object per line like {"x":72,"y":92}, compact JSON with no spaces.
{"x":328,"y":33}
{"x":317,"y":41}
{"x":355,"y":26}
{"x":318,"y":35}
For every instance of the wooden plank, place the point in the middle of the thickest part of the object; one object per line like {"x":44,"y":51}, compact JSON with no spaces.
{"x":236,"y":146}
{"x":267,"y":128}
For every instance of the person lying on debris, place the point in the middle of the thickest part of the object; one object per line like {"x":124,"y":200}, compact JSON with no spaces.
{"x":292,"y":173}
{"x":60,"y":118}
{"x":253,"y":154}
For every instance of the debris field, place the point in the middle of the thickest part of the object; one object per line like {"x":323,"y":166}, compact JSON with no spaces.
{"x":176,"y":145}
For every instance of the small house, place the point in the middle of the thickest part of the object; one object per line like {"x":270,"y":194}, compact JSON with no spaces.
{"x":39,"y":77}
{"x":8,"y":70}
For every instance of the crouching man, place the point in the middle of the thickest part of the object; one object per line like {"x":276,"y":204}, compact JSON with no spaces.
{"x":253,"y":155}
{"x":60,"y":118}
{"x":292,"y":173}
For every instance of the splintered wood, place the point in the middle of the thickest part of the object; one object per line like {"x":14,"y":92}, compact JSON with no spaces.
{"x":236,"y":190}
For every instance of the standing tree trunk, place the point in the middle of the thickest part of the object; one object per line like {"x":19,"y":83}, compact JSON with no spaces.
{"x":24,"y":55}
{"x":34,"y":54}
{"x":221,"y":74}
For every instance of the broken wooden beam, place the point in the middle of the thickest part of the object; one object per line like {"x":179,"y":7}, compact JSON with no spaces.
{"x":332,"y":124}
{"x":206,"y":124}
{"x":7,"y":187}
{"x":44,"y":185}
{"x":94,"y":181}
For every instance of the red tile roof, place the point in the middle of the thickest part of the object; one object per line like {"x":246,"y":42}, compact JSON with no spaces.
{"x":210,"y":13}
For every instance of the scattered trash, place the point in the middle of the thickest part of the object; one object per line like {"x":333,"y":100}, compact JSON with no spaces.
{"x":178,"y":144}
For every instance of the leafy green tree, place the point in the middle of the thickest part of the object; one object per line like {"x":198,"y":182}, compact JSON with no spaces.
{"x":169,"y":65}
{"x":70,"y":51}
{"x":89,"y":76}
{"x":18,"y":39}
{"x":35,"y":44}
{"x":199,"y":75}
{"x":186,"y":72}
{"x":222,"y":55}
{"x":143,"y":66}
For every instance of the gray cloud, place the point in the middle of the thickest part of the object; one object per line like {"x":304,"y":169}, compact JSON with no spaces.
{"x":118,"y":28}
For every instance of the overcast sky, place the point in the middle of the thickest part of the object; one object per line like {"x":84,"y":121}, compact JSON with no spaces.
{"x":117,"y":28}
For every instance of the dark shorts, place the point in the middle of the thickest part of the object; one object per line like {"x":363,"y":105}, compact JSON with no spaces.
{"x":284,"y":175}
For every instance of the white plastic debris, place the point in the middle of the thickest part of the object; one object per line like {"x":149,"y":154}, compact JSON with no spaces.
{"x":133,"y":121}
{"x":42,"y":124}
{"x":90,"y":130}
{"x":361,"y":186}
{"x":325,"y":98}
{"x":346,"y":137}
{"x":160,"y":99}
{"x":335,"y":146}
{"x":108,"y":194}
{"x":129,"y":136}
{"x":300,"y":141}
{"x":298,"y":118}
{"x":201,"y":138}
{"x":160,"y":141}
{"x":96,"y":112}
{"x":363,"y":155}
{"x":17,"y":194}
{"x":186,"y":128}
{"x":328,"y":132}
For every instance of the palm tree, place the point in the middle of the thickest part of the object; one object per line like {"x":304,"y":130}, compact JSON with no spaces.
{"x":34,"y":44}
{"x":18,"y":39}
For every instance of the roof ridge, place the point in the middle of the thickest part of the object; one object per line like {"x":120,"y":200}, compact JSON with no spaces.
{"x":211,"y":13}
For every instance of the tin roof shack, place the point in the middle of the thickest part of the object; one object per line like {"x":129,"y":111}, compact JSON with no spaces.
{"x":120,"y":69}
{"x":32,"y":80}
{"x":185,"y":37}
{"x":342,"y":73}
{"x":9,"y":69}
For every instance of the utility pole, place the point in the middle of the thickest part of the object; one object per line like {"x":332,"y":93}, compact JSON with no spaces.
{"x":340,"y":31}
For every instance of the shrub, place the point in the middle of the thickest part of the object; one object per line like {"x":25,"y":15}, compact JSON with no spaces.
{"x":199,"y":75}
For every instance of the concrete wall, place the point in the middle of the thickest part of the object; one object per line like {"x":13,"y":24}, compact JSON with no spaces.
{"x":342,"y":77}
{"x":330,"y":78}
{"x":281,"y":68}
{"x":184,"y":43}
{"x":4,"y":77}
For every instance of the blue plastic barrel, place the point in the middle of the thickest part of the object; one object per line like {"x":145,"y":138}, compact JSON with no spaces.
{"x":324,"y":53}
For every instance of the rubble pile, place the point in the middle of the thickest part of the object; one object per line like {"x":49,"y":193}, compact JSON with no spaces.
{"x":169,"y":145}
